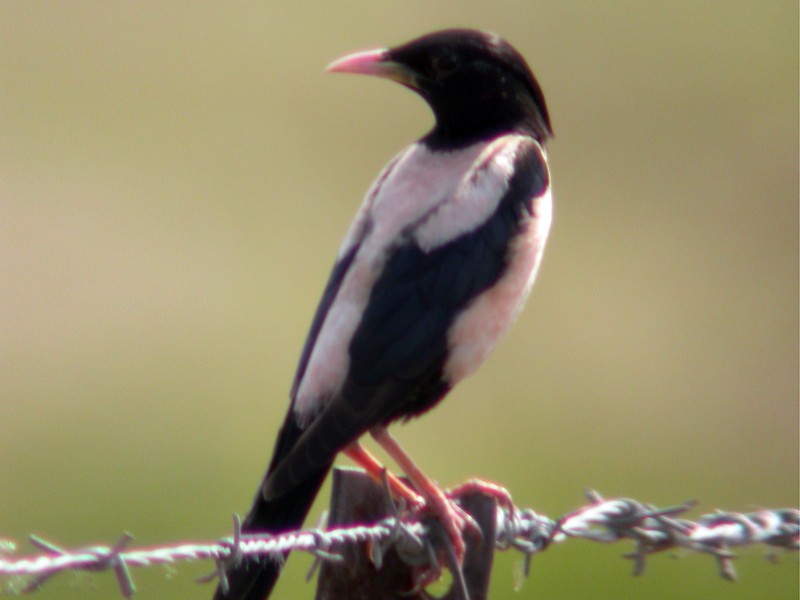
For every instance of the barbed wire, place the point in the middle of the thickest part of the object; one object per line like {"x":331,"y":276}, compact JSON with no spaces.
{"x":605,"y":520}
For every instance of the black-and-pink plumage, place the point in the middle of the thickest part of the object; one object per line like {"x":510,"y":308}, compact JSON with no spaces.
{"x":436,"y":266}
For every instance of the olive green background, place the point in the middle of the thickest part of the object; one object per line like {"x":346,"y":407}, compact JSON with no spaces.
{"x":174,"y":182}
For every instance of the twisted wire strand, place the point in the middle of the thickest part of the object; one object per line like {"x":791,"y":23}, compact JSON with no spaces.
{"x":650,"y":528}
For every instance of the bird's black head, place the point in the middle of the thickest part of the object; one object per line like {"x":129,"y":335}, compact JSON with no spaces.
{"x":476,"y":84}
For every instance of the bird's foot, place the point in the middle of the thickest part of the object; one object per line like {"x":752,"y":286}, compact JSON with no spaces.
{"x":445,"y":507}
{"x":456,"y":523}
{"x":454,"y":520}
{"x":449,"y":547}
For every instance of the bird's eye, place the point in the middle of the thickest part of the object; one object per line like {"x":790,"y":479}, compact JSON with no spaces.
{"x":444,"y":63}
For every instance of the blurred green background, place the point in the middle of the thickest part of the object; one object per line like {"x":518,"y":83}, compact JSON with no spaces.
{"x":175,"y":180}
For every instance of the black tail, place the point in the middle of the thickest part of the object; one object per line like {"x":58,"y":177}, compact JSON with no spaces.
{"x":254,"y":578}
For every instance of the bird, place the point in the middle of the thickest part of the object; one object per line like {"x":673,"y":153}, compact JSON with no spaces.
{"x":432,"y":272}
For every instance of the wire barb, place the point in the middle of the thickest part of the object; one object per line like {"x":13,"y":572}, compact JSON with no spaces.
{"x":604,"y":520}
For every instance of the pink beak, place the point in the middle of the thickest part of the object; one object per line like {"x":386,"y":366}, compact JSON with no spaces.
{"x":368,"y":62}
{"x":375,"y":62}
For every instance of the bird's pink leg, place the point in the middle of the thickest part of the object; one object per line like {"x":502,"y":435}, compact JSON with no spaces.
{"x":450,"y":515}
{"x":362,"y":457}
